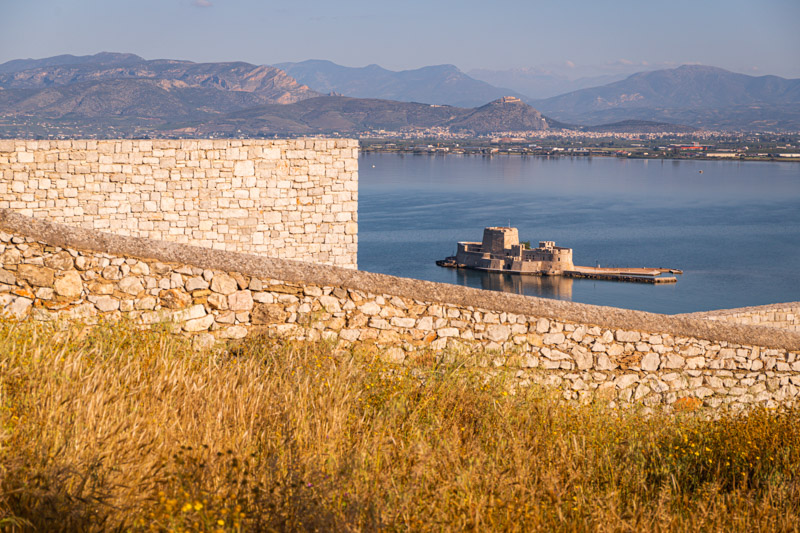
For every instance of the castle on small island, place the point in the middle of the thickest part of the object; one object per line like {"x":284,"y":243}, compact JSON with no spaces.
{"x":501,"y":251}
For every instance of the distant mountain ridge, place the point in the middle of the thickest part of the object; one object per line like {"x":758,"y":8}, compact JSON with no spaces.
{"x":127,"y":91}
{"x":535,"y":84}
{"x":438,"y":84}
{"x":16,"y":65}
{"x":135,"y":98}
{"x":639,"y":126}
{"x":341,"y":114}
{"x":122,"y":83}
{"x":108,"y":91}
{"x":691,"y":94}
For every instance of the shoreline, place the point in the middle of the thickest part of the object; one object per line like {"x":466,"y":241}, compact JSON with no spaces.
{"x":565,"y":155}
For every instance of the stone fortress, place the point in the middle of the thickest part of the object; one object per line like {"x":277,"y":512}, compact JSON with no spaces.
{"x":501,"y":251}
{"x":55,"y":267}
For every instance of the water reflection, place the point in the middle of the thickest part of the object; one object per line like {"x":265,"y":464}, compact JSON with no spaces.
{"x":541,"y":286}
{"x":612,"y":211}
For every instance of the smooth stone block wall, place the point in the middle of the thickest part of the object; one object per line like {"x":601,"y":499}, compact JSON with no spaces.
{"x":292,"y":199}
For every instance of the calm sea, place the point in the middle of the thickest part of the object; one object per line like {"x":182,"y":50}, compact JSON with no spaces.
{"x":732,"y":227}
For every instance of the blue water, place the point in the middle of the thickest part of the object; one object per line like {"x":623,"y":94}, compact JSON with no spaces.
{"x":734,"y":229}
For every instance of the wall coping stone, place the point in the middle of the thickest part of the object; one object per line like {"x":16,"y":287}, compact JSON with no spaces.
{"x":323,"y":275}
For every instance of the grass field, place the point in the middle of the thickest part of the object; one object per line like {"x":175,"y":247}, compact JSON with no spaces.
{"x":110,"y":428}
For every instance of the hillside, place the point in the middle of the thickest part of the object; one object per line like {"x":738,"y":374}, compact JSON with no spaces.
{"x":122,"y":79}
{"x":696,"y":95}
{"x":328,"y":114}
{"x":505,"y":114}
{"x":133,"y":98}
{"x":439,"y":84}
{"x":102,"y":58}
{"x":640,"y":126}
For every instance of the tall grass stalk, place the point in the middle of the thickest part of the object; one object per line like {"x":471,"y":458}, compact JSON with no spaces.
{"x":113,"y":428}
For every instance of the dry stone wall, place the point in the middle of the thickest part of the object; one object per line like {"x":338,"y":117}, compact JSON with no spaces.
{"x":783,"y":316}
{"x":293,"y":199}
{"x":50,"y":271}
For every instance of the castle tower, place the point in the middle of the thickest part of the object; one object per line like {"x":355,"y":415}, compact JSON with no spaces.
{"x":498,"y":239}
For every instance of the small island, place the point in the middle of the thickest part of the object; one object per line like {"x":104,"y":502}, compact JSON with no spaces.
{"x":501,"y":251}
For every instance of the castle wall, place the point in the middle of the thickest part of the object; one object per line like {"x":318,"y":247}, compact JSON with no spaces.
{"x":50,"y":271}
{"x":555,"y":257}
{"x":292,"y":199}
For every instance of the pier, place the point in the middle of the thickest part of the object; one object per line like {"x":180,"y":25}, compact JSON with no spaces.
{"x":633,"y":275}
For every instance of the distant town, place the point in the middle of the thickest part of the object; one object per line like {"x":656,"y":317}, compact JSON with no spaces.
{"x":711,"y":145}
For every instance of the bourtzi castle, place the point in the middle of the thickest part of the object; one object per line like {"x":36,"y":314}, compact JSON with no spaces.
{"x":225,"y":239}
{"x":501,"y":251}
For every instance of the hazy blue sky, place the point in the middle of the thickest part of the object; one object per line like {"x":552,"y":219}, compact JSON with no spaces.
{"x":568,"y":36}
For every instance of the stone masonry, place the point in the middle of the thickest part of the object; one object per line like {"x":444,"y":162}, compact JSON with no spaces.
{"x":781,"y":316}
{"x":293,"y":199}
{"x":50,"y":271}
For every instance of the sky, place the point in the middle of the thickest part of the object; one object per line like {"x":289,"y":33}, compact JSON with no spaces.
{"x":572,"y":38}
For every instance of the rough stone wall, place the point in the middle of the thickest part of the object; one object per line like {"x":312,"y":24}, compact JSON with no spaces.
{"x":782,"y":316}
{"x":50,"y":271}
{"x":293,"y":199}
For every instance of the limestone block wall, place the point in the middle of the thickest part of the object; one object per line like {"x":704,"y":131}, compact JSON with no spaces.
{"x":294,"y":199}
{"x":782,"y":316}
{"x":51,"y":271}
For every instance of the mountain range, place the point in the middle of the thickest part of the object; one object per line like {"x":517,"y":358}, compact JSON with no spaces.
{"x":172,"y":95}
{"x":345,"y":115}
{"x":127,"y":85}
{"x":692,"y":95}
{"x":538,"y":84}
{"x":439,"y":84}
{"x":701,"y":96}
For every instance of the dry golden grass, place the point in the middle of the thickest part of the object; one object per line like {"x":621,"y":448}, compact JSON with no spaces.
{"x":110,"y":428}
